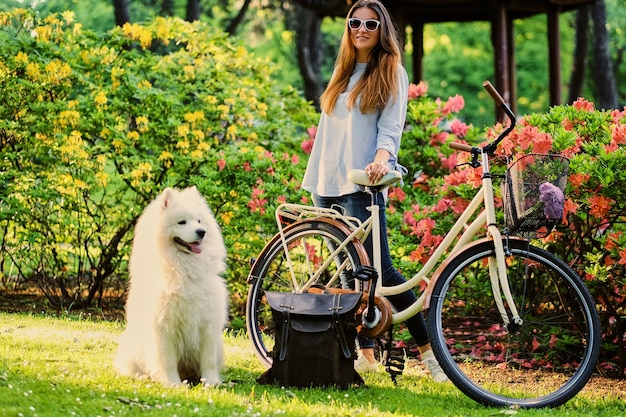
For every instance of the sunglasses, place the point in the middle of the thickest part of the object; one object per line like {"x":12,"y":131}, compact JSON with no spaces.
{"x":370,"y":25}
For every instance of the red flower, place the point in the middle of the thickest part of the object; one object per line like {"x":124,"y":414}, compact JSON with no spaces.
{"x":582,"y":104}
{"x":396,"y":193}
{"x":599,"y":205}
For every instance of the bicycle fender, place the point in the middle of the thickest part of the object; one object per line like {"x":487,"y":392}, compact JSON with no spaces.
{"x":429,"y":289}
{"x":343,"y":227}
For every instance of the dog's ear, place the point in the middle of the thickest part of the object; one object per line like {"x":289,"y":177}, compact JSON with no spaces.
{"x":166,"y":197}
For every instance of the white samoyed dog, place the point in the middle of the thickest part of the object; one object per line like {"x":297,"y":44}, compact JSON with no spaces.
{"x":177,"y":304}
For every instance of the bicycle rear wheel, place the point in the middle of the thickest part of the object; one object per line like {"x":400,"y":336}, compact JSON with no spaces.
{"x":542,"y":363}
{"x":310,"y":243}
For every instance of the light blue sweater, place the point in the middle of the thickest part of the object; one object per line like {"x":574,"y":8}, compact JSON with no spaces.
{"x":348,"y":139}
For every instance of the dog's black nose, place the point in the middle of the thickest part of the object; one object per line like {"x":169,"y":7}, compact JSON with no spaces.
{"x":200,"y":233}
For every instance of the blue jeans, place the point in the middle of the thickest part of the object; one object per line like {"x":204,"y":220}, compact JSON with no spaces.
{"x":355,"y":205}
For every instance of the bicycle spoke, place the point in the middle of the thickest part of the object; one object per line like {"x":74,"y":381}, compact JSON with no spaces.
{"x":544,"y":361}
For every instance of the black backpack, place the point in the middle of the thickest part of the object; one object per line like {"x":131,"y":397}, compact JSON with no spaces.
{"x":315,"y":337}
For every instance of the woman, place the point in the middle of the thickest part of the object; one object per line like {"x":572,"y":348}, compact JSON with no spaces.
{"x":363,"y":114}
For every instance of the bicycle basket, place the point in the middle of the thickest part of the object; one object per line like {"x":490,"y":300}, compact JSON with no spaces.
{"x":534,"y":194}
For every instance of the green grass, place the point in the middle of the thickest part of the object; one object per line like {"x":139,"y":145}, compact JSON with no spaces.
{"x":62,"y":367}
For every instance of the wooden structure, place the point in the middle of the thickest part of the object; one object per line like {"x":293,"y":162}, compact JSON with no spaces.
{"x":500,"y":13}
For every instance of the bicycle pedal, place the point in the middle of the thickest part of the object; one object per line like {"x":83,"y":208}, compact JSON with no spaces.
{"x":365,"y":273}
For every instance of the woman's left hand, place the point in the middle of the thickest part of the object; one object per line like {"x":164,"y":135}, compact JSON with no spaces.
{"x":376,"y":170}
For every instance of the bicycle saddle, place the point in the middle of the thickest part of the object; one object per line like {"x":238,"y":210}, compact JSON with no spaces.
{"x":358,"y":176}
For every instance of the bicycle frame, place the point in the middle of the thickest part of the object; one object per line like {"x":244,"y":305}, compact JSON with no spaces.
{"x":461,"y":229}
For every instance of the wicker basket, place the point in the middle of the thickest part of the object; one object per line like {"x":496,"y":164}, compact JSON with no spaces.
{"x":534,"y":194}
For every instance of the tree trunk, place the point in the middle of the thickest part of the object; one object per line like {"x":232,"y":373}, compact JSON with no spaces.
{"x":122,"y":13}
{"x":326,"y":7}
{"x":193,"y":10}
{"x":581,"y":48}
{"x":167,"y":8}
{"x":605,"y":87}
{"x":234,"y":24}
{"x":309,"y":49}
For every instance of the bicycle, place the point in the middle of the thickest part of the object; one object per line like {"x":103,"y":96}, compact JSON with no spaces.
{"x":511,"y":324}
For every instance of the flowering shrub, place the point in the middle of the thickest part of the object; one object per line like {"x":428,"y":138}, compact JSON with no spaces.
{"x":593,"y":238}
{"x":93,"y":127}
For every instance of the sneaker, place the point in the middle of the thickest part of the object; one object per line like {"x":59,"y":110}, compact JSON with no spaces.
{"x":362,"y":365}
{"x":436,"y":373}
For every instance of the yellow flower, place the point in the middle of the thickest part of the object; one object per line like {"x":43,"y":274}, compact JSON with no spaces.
{"x":101,"y":159}
{"x":143,"y":170}
{"x":144,"y":85}
{"x":21,"y":58}
{"x":227,"y":217}
{"x":198,"y":134}
{"x":118,"y":144}
{"x":101,"y":98}
{"x":165,"y":156}
{"x":189,"y":71}
{"x":43,"y":33}
{"x":203,"y":146}
{"x":32,"y":70}
{"x":77,"y":29}
{"x":103,"y":177}
{"x":68,"y":17}
{"x":231,"y":132}
{"x":197,"y":154}
{"x":183,"y":130}
{"x":142,"y":124}
{"x":68,"y":118}
{"x":138,"y":33}
{"x":183,"y":145}
{"x":133,"y":135}
{"x":57,"y":71}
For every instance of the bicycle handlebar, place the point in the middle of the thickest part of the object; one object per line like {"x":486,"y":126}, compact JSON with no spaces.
{"x":493,"y":93}
{"x":490,"y":147}
{"x":461,"y":147}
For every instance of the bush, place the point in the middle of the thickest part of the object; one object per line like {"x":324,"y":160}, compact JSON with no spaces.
{"x":592,"y":239}
{"x":94,"y":126}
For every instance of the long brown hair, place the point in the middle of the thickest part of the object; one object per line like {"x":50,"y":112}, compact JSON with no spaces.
{"x":380,"y":80}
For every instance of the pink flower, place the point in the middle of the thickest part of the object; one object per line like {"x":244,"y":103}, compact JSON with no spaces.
{"x":619,"y":134}
{"x":269,"y":155}
{"x":438,"y":138}
{"x":396,"y":193}
{"x":312,"y":131}
{"x":582,"y":104}
{"x":454,"y":104}
{"x":257,"y":203}
{"x":458,"y":128}
{"x":418,"y":90}
{"x":221,"y":164}
{"x":307,"y":146}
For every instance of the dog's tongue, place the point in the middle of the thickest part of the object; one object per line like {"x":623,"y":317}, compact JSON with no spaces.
{"x":195,"y":247}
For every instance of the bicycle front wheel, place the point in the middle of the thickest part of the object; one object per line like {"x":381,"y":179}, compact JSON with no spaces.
{"x":543,"y":362}
{"x":309,"y":244}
